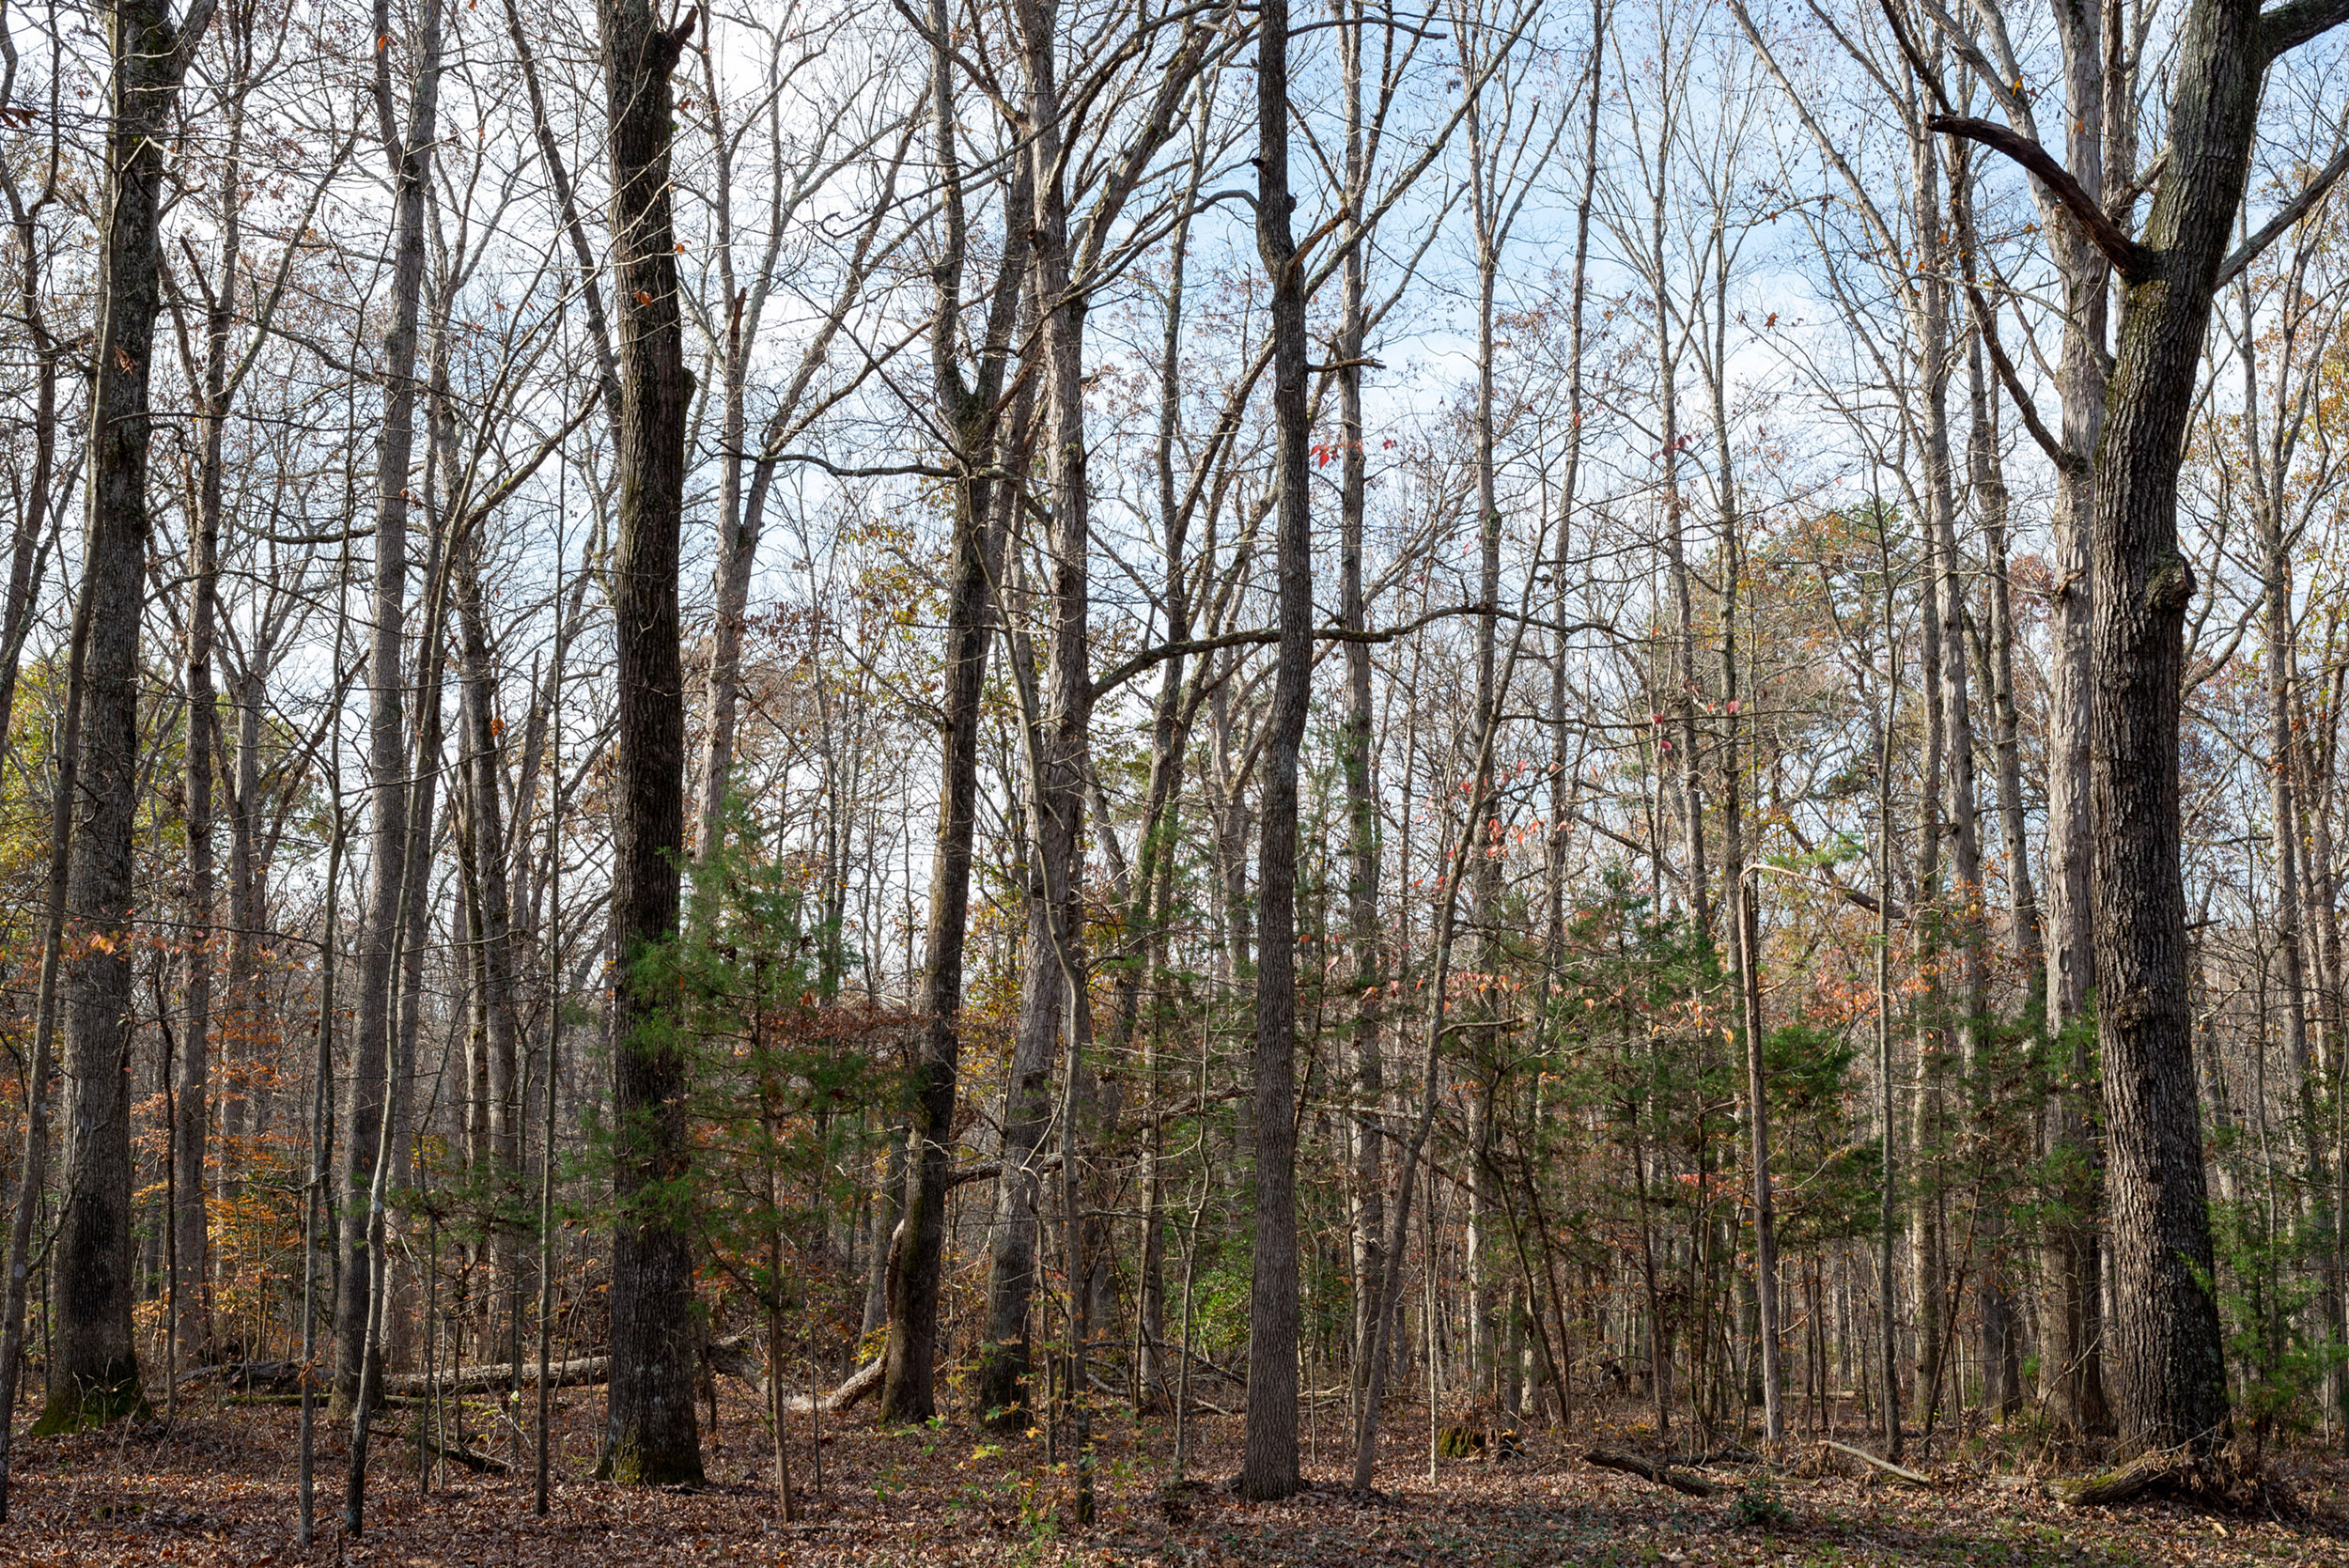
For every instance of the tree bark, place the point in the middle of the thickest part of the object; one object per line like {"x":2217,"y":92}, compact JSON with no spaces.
{"x":93,"y":1367}
{"x":410,"y":158}
{"x":2170,"y":1364}
{"x":651,"y":1432}
{"x":1268,"y":1462}
{"x":908,"y":1390}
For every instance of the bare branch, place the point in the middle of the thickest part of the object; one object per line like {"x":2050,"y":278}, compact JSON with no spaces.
{"x":2133,"y":261}
{"x":2287,"y":215}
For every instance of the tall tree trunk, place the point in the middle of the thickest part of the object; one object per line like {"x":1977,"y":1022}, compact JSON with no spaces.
{"x":1268,"y":1468}
{"x":481,"y":798}
{"x":1994,"y":1314}
{"x":1738,"y":880}
{"x":2170,"y":1363}
{"x":650,"y":1434}
{"x":1058,"y":755}
{"x":908,"y":1390}
{"x":93,"y":1367}
{"x":410,"y":158}
{"x":1365,"y":1180}
{"x":2071,"y":1261}
{"x":1056,"y":725}
{"x":1058,"y":749}
{"x":191,"y":1300}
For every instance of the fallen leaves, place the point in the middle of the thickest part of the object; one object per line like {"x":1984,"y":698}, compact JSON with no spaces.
{"x":219,"y":1491}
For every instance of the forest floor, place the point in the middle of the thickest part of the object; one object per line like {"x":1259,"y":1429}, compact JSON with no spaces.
{"x":218,"y":1489}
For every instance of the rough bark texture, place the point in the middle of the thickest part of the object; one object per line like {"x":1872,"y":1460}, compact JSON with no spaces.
{"x":2169,"y":1361}
{"x":93,"y":1366}
{"x":1268,"y":1464}
{"x":650,"y":1435}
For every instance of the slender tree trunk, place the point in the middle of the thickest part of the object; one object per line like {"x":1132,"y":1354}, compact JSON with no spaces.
{"x":2071,"y":1261}
{"x":908,"y":1390}
{"x":1994,"y":1311}
{"x":1745,"y":928}
{"x":482,"y":775}
{"x":1269,"y":1465}
{"x":410,"y":158}
{"x":1366,"y":1179}
{"x":33,"y":1167}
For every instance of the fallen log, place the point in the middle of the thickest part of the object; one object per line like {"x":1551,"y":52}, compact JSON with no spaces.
{"x":1663,"y":1475}
{"x":733,"y":1357}
{"x":2119,"y":1485}
{"x":246,"y":1376}
{"x":729,"y":1356}
{"x":1897,"y":1473}
{"x":496,"y":1376}
{"x":864,"y":1381}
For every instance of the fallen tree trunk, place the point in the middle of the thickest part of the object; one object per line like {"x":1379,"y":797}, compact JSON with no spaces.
{"x":729,"y":1356}
{"x":491,"y":1377}
{"x":864,"y":1380}
{"x":1663,"y":1475}
{"x":2131,"y":1480}
{"x":247,"y":1377}
{"x":1897,"y":1473}
{"x":733,"y":1357}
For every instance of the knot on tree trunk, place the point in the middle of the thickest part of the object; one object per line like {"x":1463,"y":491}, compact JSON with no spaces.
{"x":2170,"y":587}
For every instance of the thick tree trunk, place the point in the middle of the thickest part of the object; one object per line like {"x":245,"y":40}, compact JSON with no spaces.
{"x":93,"y":1367}
{"x":650,"y":1434}
{"x":2168,"y":1359}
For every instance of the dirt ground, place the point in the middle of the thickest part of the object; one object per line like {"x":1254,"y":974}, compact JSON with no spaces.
{"x":218,"y":1489}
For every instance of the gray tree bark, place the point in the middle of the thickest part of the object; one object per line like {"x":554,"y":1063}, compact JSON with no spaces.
{"x":410,"y":154}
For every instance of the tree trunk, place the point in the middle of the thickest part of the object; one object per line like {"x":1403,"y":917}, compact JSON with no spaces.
{"x":93,"y":1367}
{"x":1365,"y":1186}
{"x":650,"y":1434}
{"x":411,"y":157}
{"x":2168,"y":1358}
{"x":908,"y":1390}
{"x":1268,"y":1468}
